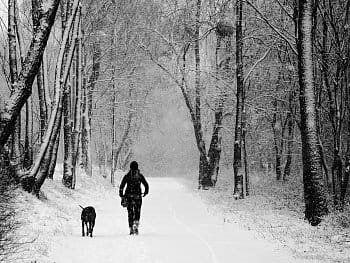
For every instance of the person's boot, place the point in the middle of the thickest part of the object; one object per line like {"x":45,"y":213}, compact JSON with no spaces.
{"x":136,"y":227}
{"x":132,"y":232}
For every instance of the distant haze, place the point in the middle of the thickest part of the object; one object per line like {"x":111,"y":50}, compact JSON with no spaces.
{"x":166,"y":146}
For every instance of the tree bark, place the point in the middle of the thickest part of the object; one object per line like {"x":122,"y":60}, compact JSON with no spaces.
{"x":113,"y":132}
{"x":278,"y":141}
{"x":23,"y":87}
{"x":237,"y":158}
{"x":222,"y":61}
{"x":43,"y":112}
{"x":68,"y":123}
{"x":86,"y":141}
{"x":53,"y":125}
{"x":244,"y":142}
{"x":314,"y":189}
{"x":290,"y":138}
{"x":204,"y":177}
{"x":28,"y":152}
{"x":52,"y":155}
{"x":16,"y":159}
{"x":78,"y":96}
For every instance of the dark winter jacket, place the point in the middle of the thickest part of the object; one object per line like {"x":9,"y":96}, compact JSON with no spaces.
{"x":133,"y":180}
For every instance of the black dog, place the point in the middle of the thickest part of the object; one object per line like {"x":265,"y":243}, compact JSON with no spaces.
{"x":88,"y":216}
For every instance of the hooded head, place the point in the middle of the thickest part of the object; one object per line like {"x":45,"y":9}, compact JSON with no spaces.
{"x":134,"y":166}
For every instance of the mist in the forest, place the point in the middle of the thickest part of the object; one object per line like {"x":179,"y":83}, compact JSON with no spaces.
{"x":166,"y":145}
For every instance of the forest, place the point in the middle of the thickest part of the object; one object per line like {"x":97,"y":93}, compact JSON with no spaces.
{"x":264,"y":85}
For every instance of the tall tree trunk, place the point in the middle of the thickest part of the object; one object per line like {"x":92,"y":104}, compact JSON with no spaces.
{"x":16,"y":133}
{"x":278,"y":141}
{"x":222,"y":64}
{"x":204,"y":176}
{"x":28,"y":152}
{"x":40,"y":80}
{"x":113,"y":132}
{"x":345,"y":179}
{"x":23,"y":87}
{"x":105,"y":159}
{"x":52,"y":154}
{"x":84,"y":130}
{"x":337,"y":174}
{"x":67,"y":113}
{"x":78,"y":96}
{"x":48,"y":162}
{"x":43,"y":112}
{"x":96,"y":64}
{"x":114,"y":54}
{"x":28,"y":146}
{"x":237,"y":161}
{"x":314,"y":189}
{"x":203,"y":162}
{"x":290,"y":139}
{"x":244,"y":142}
{"x":53,"y":125}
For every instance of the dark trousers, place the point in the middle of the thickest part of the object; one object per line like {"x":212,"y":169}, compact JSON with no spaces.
{"x":134,"y":210}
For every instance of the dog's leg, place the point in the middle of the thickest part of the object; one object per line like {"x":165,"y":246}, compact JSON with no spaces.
{"x":82,"y":227}
{"x":92,"y":227}
{"x":87,"y":229}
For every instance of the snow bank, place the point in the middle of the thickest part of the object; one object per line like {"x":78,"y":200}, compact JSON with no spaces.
{"x":43,"y":219}
{"x":275,"y":210}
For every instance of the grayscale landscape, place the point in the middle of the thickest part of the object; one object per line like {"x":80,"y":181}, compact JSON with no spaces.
{"x":174,"y":131}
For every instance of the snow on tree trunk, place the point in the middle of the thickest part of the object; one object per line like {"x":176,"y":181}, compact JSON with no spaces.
{"x":222,"y":54}
{"x":314,"y":189}
{"x":89,"y":90}
{"x":290,"y":139}
{"x":237,"y":155}
{"x":28,"y":152}
{"x":278,"y":141}
{"x":113,"y":131}
{"x":77,"y":106}
{"x":54,"y":122}
{"x":68,"y":123}
{"x":43,"y":113}
{"x":54,"y":152}
{"x":203,"y":177}
{"x":30,"y":67}
{"x":12,"y":43}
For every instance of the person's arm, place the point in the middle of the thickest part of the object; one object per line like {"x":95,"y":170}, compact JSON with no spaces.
{"x":145,"y":184}
{"x":121,"y":187}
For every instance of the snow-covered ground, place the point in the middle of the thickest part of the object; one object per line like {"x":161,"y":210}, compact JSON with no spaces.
{"x":176,"y":226}
{"x":275,"y":210}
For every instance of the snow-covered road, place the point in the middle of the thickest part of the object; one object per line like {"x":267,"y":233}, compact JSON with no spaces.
{"x":176,"y":227}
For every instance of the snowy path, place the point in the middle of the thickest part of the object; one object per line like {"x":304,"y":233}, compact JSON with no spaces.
{"x":175,"y":228}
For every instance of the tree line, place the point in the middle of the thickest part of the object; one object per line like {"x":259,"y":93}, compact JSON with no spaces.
{"x":265,"y":84}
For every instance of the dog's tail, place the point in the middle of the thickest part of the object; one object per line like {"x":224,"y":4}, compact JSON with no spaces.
{"x":81,"y":207}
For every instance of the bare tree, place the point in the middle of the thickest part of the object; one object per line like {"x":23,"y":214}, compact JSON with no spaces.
{"x":237,"y":159}
{"x":16,"y":159}
{"x":56,"y":114}
{"x":314,"y":189}
{"x":23,"y":86}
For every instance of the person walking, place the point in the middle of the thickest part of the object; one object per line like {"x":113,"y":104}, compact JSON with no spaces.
{"x":133,"y":180}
